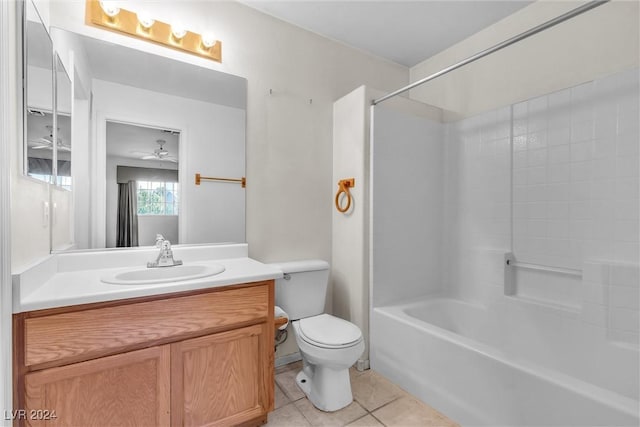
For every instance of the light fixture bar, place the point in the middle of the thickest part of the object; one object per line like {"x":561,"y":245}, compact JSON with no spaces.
{"x":126,"y":22}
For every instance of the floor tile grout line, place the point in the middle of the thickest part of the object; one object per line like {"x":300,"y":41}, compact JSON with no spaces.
{"x":385,"y":404}
{"x":377,"y":419}
{"x":303,"y":415}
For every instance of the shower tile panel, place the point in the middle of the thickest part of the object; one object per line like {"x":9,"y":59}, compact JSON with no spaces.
{"x":580,"y":149}
{"x":568,"y":195}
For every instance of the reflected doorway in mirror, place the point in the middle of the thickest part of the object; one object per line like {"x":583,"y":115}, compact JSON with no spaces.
{"x":143,"y":189}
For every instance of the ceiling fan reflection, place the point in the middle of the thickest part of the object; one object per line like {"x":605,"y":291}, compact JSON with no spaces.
{"x":46,"y":142}
{"x":158,"y":154}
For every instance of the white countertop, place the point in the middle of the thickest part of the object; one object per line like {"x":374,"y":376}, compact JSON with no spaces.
{"x":75,"y":278}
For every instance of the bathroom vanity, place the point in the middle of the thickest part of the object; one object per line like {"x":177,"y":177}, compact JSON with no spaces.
{"x":196,"y":352}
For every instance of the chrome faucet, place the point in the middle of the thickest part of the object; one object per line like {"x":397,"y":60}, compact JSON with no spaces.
{"x":165,"y":257}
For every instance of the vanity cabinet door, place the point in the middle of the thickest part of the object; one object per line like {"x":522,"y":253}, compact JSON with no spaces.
{"x":223,"y":379}
{"x":129,"y":389}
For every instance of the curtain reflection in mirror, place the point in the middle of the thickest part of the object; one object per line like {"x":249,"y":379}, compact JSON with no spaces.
{"x":127,"y":215}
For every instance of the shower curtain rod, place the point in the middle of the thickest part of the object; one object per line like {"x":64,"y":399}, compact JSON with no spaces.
{"x":555,"y":21}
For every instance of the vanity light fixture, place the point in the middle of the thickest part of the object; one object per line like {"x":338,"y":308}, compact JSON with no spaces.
{"x":178,"y":31}
{"x":107,"y":15}
{"x":110,"y":8}
{"x":145,"y":20}
{"x":208,"y":40}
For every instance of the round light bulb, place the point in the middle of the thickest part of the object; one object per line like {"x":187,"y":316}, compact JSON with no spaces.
{"x":110,"y":8}
{"x":178,"y":30}
{"x":145,"y":20}
{"x":208,"y":40}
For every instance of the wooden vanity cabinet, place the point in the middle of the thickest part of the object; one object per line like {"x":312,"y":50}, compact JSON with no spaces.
{"x":232,"y":390}
{"x":124,"y":389}
{"x":187,"y":359}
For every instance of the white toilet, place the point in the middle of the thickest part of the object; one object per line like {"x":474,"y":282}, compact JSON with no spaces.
{"x":329,"y":345}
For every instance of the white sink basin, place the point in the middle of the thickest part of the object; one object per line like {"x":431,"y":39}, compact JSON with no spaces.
{"x":151,"y":276}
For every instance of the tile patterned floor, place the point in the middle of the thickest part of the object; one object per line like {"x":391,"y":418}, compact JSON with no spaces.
{"x":377,"y":402}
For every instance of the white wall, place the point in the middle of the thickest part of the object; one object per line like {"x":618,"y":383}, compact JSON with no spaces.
{"x":151,"y":225}
{"x":289,"y":191}
{"x":10,"y":115}
{"x":43,"y":7}
{"x":40,"y":93}
{"x":81,"y":124}
{"x":349,"y":250}
{"x":211,"y":143}
{"x":74,"y":58}
{"x":350,"y":231}
{"x":61,"y":219}
{"x":407,"y":202}
{"x":594,"y":44}
{"x":30,"y":230}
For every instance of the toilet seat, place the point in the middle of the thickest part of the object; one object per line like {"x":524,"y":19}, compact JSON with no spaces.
{"x":327,"y":331}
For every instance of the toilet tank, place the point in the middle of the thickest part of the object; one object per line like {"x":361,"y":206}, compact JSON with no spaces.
{"x":303,"y":290}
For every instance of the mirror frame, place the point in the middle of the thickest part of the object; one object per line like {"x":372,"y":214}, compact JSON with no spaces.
{"x":58,"y":67}
{"x":55,"y":219}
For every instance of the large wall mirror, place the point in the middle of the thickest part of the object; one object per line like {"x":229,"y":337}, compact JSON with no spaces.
{"x":153,"y":123}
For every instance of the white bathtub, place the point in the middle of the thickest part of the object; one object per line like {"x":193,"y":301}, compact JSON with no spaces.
{"x":535,"y":369}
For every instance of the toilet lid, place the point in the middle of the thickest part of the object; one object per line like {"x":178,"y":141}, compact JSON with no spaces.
{"x":326,"y":330}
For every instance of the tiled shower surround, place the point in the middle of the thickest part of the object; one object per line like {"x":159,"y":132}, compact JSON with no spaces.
{"x":575,"y":174}
{"x":554,"y":179}
{"x":550,"y":184}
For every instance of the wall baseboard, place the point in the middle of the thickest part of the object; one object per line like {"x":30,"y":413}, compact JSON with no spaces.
{"x":362,"y":365}
{"x":289,"y":358}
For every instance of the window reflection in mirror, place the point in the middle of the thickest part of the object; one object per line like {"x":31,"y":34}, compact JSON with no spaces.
{"x":38,"y":52}
{"x":143,"y":190}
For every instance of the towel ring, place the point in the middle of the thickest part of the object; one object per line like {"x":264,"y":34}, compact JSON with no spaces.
{"x":343,"y":187}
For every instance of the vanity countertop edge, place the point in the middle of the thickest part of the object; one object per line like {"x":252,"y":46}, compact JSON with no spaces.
{"x":75,"y":278}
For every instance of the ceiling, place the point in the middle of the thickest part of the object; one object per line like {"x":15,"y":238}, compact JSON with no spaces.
{"x":132,"y":142}
{"x":405,"y":32}
{"x":39,"y":46}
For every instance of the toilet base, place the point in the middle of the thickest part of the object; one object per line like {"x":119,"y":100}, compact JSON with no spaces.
{"x":329,"y":390}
